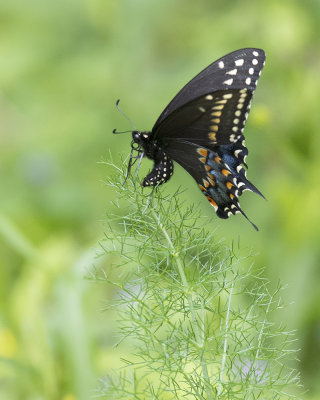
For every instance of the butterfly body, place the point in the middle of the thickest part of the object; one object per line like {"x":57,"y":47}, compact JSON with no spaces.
{"x":201,"y":129}
{"x":163,"y":166}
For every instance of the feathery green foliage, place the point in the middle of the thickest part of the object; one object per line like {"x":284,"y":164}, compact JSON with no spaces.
{"x":200,"y":325}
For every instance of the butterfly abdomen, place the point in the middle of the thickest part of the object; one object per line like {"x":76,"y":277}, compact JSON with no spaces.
{"x":162,"y":169}
{"x":163,"y":165}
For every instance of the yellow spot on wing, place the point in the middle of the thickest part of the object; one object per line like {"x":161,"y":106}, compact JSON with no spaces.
{"x":221,"y":101}
{"x":214,"y":128}
{"x":216,"y":114}
{"x":212,"y":136}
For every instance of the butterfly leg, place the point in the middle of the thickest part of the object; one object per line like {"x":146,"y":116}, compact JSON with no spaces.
{"x":132,"y":160}
{"x":138,"y":167}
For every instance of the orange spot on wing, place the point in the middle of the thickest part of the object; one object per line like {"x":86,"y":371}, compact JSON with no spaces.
{"x":206,"y":183}
{"x":207,"y":167}
{"x":226,"y":172}
{"x":203,"y":160}
{"x":211,"y":182}
{"x":229,"y":185}
{"x":212,"y":202}
{"x":202,"y":188}
{"x":231,"y":196}
{"x":217,"y":159}
{"x":203,"y":152}
{"x":211,"y":176}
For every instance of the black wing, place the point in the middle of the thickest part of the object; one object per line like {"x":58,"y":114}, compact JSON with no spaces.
{"x":214,"y":119}
{"x":207,"y":117}
{"x":237,"y":70}
{"x":218,"y":182}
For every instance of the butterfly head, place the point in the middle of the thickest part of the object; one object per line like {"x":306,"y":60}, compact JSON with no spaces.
{"x":141,"y":141}
{"x":141,"y":138}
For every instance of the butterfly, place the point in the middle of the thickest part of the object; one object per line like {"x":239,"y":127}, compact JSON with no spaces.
{"x":202,"y":130}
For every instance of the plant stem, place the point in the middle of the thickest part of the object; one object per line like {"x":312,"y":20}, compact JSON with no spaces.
{"x":225,"y":344}
{"x":194,"y":317}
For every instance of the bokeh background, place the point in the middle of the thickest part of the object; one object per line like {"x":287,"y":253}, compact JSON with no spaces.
{"x":63,"y":64}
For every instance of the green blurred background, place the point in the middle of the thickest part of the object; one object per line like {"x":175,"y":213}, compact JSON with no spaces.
{"x":63,"y":64}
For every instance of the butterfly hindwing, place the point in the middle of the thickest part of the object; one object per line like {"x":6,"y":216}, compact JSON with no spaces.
{"x":218,"y":182}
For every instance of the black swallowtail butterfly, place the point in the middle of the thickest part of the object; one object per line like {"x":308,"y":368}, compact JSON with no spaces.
{"x":201,"y":129}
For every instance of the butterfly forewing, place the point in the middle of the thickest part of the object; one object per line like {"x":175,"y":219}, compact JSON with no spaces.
{"x":237,"y":70}
{"x":214,"y":119}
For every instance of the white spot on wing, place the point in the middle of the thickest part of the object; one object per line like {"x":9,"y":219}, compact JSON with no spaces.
{"x":239,"y":62}
{"x":228,"y":82}
{"x":232,"y":72}
{"x":254,"y":61}
{"x":251,"y":71}
{"x":248,"y":81}
{"x":209,"y":97}
{"x":221,"y":64}
{"x":255,"y":53}
{"x":201,"y":109}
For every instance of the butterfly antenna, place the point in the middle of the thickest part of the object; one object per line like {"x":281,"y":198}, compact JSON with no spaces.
{"x":125,"y":115}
